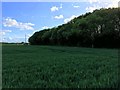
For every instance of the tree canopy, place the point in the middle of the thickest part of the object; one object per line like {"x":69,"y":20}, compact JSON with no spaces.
{"x":100,"y":29}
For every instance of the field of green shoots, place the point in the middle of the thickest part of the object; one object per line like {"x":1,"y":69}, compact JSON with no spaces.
{"x":26,"y":66}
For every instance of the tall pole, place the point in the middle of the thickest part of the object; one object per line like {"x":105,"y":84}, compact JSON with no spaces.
{"x":25,"y":38}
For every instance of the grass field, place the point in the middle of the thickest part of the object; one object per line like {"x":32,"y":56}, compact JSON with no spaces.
{"x":26,"y":66}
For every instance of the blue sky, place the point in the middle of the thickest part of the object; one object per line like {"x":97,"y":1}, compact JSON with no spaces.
{"x":20,"y":18}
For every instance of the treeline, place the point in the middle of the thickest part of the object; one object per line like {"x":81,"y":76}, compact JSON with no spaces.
{"x":100,"y":29}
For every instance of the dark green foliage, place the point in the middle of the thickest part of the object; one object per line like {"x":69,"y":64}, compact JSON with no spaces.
{"x":58,"y":67}
{"x":98,"y":29}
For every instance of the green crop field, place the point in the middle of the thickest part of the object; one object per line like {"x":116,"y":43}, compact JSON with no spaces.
{"x":26,"y":66}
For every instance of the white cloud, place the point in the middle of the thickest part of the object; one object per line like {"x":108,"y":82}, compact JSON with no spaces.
{"x":26,"y":26}
{"x":93,"y":1}
{"x":10,"y":38}
{"x":9,"y":22}
{"x":107,"y":3}
{"x":29,"y":35}
{"x":54,"y":8}
{"x":113,"y":3}
{"x":3,"y":32}
{"x":102,"y":4}
{"x":45,"y":27}
{"x":92,"y":8}
{"x":59,"y":17}
{"x":70,"y":18}
{"x":61,"y":5}
{"x":6,"y":39}
{"x":76,"y":6}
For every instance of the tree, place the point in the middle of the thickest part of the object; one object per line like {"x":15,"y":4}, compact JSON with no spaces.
{"x":98,"y":29}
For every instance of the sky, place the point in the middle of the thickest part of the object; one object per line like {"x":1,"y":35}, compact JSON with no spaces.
{"x":25,"y":18}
